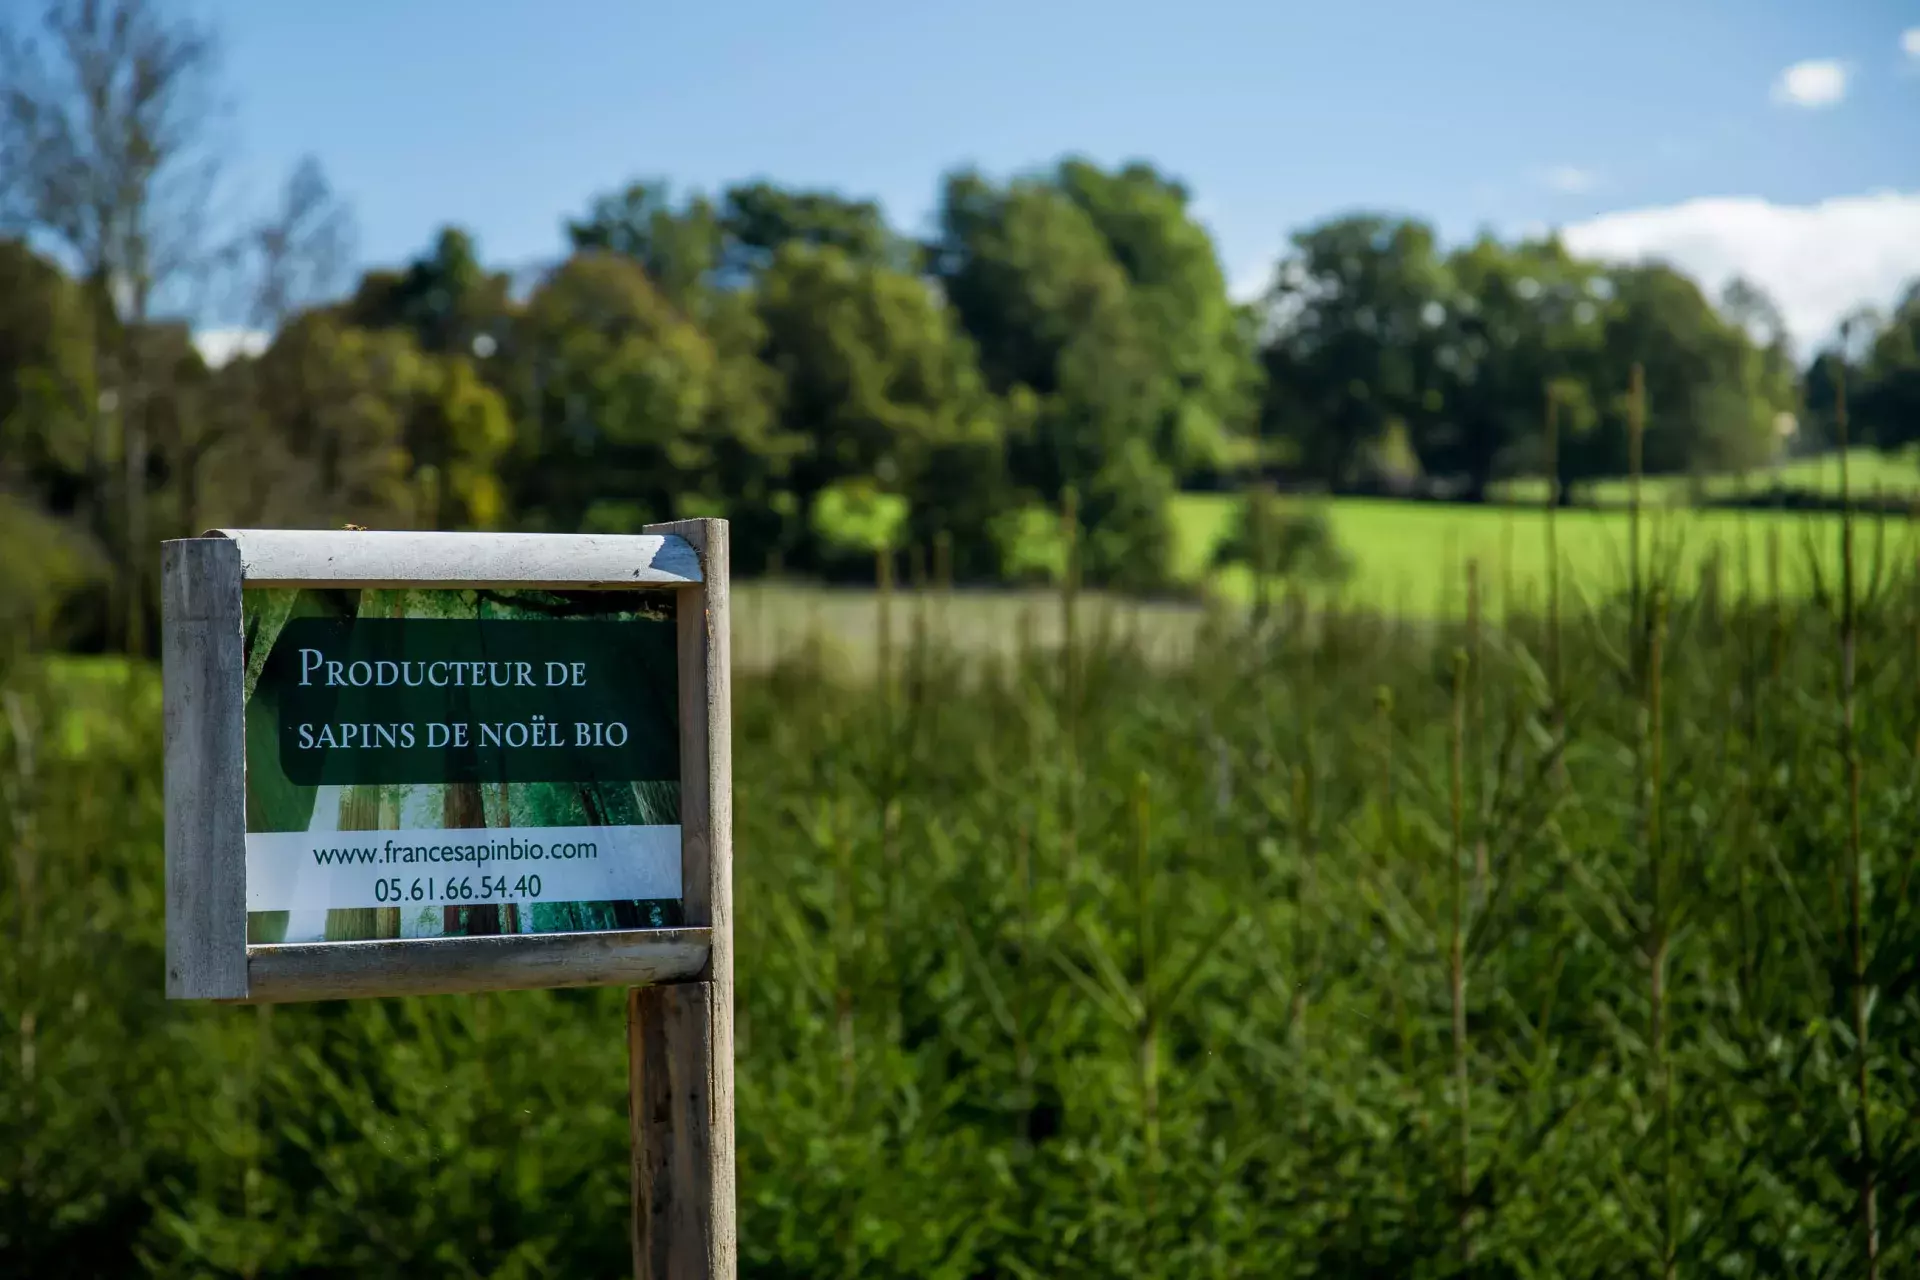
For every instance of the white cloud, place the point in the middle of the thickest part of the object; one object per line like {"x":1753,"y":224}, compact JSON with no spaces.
{"x":218,"y":346}
{"x":1818,"y":82}
{"x":1818,"y":261}
{"x":1910,"y":42}
{"x":1569,"y":179}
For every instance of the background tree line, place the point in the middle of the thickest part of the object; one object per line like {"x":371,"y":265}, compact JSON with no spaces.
{"x":786,"y":358}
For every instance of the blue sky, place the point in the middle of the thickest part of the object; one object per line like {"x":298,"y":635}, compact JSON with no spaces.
{"x":507,"y":116}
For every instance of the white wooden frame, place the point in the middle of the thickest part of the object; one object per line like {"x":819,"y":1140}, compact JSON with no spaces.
{"x":208,"y":956}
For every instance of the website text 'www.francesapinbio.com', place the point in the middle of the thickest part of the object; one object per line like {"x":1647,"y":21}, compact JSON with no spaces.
{"x":312,"y":870}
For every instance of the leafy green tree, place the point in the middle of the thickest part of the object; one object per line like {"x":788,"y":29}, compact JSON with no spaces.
{"x":1713,"y":394}
{"x":633,"y":413}
{"x":48,"y":562}
{"x":56,"y":422}
{"x":458,"y":433}
{"x":678,"y":246}
{"x":48,"y":397}
{"x":335,"y":393}
{"x":449,"y":302}
{"x":1516,"y":321}
{"x":1036,"y":285}
{"x":1179,"y":296}
{"x":1886,"y":404}
{"x":759,"y":219}
{"x":1353,"y":339}
{"x":691,"y":246}
{"x":1374,"y":338}
{"x":372,"y":430}
{"x":876,"y":376}
{"x":1843,"y":359}
{"x":1095,"y":303}
{"x":107,"y":153}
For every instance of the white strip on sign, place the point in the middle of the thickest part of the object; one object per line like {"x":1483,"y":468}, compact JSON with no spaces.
{"x":318,"y":870}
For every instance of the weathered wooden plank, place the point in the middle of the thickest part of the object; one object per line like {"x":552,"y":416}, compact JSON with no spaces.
{"x":678,"y":1230}
{"x":706,"y":736}
{"x":384,"y":558}
{"x":205,"y":761}
{"x":681,"y":1037}
{"x":495,"y":962}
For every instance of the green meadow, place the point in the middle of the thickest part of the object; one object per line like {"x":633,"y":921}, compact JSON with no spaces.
{"x":1870,"y":473}
{"x":1403,"y":559}
{"x":1412,"y":557}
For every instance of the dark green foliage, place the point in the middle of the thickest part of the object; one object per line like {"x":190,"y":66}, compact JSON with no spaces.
{"x":1881,"y":359}
{"x":1352,"y":346}
{"x":446,"y":298}
{"x":1274,"y":541}
{"x":679,"y":247}
{"x":1373,"y":336}
{"x":1084,"y":966}
{"x":874,"y":373}
{"x":760,"y":219}
{"x":1098,"y":310}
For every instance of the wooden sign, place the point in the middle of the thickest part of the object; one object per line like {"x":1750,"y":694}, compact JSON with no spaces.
{"x":417,"y":763}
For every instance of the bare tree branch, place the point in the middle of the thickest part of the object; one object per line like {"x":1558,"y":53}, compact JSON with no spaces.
{"x":300,"y":254}
{"x":106,"y":116}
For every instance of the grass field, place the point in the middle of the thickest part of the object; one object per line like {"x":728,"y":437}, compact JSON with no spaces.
{"x":1407,"y":558}
{"x":841,"y":627}
{"x":1870,"y":472}
{"x":1410,"y":556}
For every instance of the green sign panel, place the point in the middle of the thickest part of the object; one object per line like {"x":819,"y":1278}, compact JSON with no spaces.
{"x":426,"y":763}
{"x":388,"y":700}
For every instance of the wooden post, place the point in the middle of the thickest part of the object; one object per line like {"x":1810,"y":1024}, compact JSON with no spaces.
{"x":680,"y":1036}
{"x":682,"y":1137}
{"x":206,"y":829}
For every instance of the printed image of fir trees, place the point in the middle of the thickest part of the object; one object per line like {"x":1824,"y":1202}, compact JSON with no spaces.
{"x":275,"y":803}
